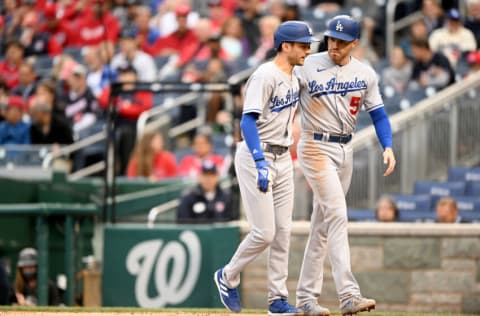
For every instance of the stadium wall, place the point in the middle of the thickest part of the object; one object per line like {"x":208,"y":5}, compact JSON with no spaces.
{"x":424,"y":267}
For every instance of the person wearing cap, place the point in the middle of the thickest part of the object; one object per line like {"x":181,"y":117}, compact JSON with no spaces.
{"x":453,"y":39}
{"x":264,"y":169}
{"x":334,"y":87}
{"x":14,"y":131}
{"x":130,"y":54}
{"x":26,"y":285}
{"x":207,"y":202}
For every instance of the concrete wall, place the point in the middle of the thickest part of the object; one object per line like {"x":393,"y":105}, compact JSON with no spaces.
{"x":422,"y":267}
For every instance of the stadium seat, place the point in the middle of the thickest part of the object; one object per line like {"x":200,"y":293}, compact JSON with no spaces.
{"x":413,"y":203}
{"x":463,"y":174}
{"x":473,"y":188}
{"x":469,"y":216}
{"x":440,"y":188}
{"x":355,"y":215}
{"x":416,"y":216}
{"x":468,"y":203}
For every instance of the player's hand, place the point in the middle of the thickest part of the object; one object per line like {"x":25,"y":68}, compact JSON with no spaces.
{"x":263,"y":175}
{"x":389,"y":158}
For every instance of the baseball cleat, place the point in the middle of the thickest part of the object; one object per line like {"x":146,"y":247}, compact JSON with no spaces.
{"x":356,"y":304}
{"x":229,"y":297}
{"x":313,"y":309}
{"x":281,"y":307}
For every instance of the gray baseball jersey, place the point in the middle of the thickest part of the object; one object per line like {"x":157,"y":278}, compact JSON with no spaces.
{"x":274,"y":96}
{"x":330,"y":99}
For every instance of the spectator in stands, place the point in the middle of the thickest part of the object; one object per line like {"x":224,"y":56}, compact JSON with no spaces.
{"x":473,"y":59}
{"x":2,"y":33}
{"x":34,"y":40}
{"x":28,"y":81}
{"x":453,"y":39}
{"x":387,"y":210}
{"x":233,"y":39}
{"x":4,"y":286}
{"x":4,"y":93}
{"x":432,"y":14}
{"x":217,"y":14}
{"x":10,"y":66}
{"x":472,"y":21}
{"x":151,"y":160}
{"x":129,"y":105}
{"x":249,"y":13}
{"x":430,"y":69}
{"x":26,"y":284}
{"x":206,"y":202}
{"x":165,"y":21}
{"x":99,"y":74}
{"x":81,"y":106}
{"x":191,"y":165}
{"x":329,"y":6}
{"x":95,"y":26}
{"x":13,"y":130}
{"x":46,"y":127}
{"x":130,"y":54}
{"x":398,"y":74}
{"x":146,"y":35}
{"x":447,"y":211}
{"x":174,"y":42}
{"x":267,"y":24}
{"x":57,"y":28}
{"x":417,"y":31}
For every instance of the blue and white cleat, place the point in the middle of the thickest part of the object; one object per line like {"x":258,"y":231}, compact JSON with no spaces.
{"x":229,"y":297}
{"x":281,"y":307}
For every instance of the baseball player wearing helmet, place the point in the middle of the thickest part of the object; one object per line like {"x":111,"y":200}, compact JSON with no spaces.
{"x":334,"y":86}
{"x":264,"y":169}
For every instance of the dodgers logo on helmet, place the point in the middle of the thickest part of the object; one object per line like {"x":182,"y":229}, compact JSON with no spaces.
{"x":343,"y":27}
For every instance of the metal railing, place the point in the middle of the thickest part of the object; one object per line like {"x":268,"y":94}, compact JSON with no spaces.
{"x":439,"y":132}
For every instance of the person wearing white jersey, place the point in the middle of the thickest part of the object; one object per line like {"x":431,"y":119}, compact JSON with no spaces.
{"x":334,"y":87}
{"x":264,"y":169}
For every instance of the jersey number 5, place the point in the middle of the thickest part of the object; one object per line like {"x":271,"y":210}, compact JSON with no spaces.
{"x":355,"y":105}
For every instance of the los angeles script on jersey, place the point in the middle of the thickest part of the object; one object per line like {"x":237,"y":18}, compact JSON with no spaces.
{"x":278,"y":104}
{"x":332,"y":86}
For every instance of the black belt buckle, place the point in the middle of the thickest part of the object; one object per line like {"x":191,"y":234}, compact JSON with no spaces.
{"x":276,"y":149}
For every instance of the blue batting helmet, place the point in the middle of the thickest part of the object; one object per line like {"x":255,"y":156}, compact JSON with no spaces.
{"x":293,"y":31}
{"x":343,"y":27}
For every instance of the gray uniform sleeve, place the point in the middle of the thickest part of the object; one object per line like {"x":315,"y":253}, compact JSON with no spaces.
{"x":258,"y":92}
{"x":373,"y":99}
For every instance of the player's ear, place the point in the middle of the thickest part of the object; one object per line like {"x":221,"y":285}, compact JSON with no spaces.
{"x":355,"y":43}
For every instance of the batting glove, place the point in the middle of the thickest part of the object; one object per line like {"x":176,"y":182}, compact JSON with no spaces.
{"x":263,"y":175}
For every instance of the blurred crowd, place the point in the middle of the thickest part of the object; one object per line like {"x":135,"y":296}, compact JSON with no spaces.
{"x":58,"y":59}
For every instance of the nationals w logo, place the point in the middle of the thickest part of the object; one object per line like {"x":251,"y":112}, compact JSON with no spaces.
{"x":173,"y":282}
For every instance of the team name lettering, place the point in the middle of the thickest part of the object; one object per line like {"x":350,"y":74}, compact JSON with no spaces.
{"x":333,"y":86}
{"x":278,"y":103}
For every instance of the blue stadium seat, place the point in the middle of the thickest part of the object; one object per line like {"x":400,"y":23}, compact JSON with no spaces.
{"x":468,"y":203}
{"x":440,"y":188}
{"x":416,"y":216}
{"x":414,"y":203}
{"x":473,"y":188}
{"x":469,"y":216}
{"x":355,"y":215}
{"x":463,"y":174}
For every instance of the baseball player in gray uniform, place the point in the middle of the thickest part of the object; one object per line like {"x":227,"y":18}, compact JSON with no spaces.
{"x":334,"y":87}
{"x":264,"y":169}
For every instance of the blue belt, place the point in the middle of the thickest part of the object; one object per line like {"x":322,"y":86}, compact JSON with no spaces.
{"x":344,"y":139}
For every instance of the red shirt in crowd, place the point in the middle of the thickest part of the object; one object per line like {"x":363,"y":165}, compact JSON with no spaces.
{"x":191,"y":165}
{"x":173,"y":42}
{"x":164,"y":166}
{"x":128,"y":107}
{"x":89,"y":30}
{"x":9,"y":74}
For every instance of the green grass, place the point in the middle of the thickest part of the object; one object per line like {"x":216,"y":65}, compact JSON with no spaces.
{"x":190,"y":310}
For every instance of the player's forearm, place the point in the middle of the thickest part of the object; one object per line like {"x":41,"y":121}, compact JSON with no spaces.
{"x":250,"y":134}
{"x":382,"y":127}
